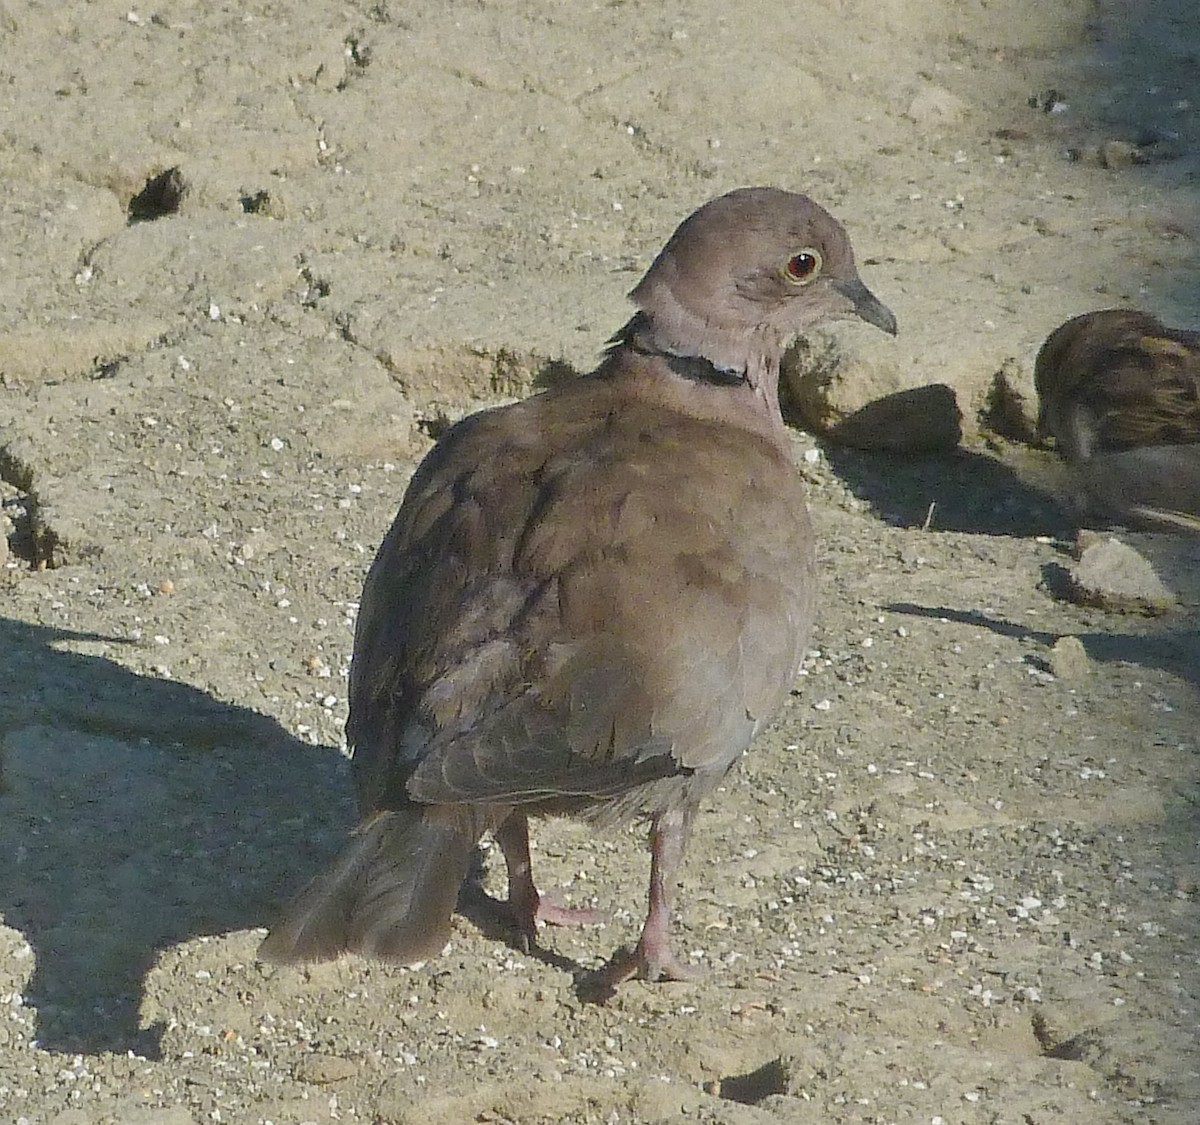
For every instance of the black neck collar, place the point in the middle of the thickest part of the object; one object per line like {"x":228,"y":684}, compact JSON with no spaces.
{"x":701,"y":370}
{"x":694,"y":367}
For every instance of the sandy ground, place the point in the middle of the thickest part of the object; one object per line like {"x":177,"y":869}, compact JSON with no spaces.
{"x":959,"y":882}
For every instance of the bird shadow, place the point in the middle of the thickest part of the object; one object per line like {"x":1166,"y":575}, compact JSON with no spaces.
{"x":1171,"y":649}
{"x":1174,"y":649}
{"x":136,"y":813}
{"x":959,"y":491}
{"x":492,"y":918}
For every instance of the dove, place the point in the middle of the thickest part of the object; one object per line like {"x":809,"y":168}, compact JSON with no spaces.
{"x":1120,"y":394}
{"x":591,"y":601}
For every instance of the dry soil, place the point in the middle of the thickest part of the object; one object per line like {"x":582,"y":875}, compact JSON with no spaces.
{"x":253,"y":256}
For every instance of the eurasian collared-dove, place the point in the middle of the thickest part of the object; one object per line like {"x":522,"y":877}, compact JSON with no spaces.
{"x":591,"y":601}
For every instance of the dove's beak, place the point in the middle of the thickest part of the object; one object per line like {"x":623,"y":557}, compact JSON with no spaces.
{"x":866,"y":305}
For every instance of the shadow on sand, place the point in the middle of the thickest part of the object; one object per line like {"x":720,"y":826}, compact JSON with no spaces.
{"x":970,"y":492}
{"x":1174,"y":649}
{"x":136,"y":813}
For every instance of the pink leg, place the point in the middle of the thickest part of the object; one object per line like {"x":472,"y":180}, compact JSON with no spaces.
{"x":527,"y":906}
{"x":652,"y":958}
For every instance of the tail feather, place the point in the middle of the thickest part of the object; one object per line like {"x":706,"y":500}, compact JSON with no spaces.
{"x":389,"y":895}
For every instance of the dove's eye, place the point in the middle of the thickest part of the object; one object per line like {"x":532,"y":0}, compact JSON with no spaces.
{"x":802,"y":266}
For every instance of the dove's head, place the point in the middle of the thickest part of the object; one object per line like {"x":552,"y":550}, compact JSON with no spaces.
{"x":745,"y":274}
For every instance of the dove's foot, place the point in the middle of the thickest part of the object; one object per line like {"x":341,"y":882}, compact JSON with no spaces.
{"x":554,"y":915}
{"x":526,"y":906}
{"x":652,"y":958}
{"x":645,"y":961}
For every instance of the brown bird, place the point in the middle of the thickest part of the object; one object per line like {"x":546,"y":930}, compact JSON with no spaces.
{"x":590,"y":601}
{"x":1120,"y":394}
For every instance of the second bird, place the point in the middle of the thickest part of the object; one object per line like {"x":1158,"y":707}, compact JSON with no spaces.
{"x":1119,"y":392}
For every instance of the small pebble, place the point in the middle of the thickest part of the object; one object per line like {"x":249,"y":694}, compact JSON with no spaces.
{"x":1111,"y":575}
{"x":1069,"y":659}
{"x":1116,"y":155}
{"x":321,"y":1070}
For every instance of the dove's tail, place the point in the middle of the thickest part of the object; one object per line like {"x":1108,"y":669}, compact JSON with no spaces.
{"x":389,"y":894}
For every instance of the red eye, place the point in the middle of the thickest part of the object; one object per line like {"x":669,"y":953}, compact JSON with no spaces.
{"x":802,"y":266}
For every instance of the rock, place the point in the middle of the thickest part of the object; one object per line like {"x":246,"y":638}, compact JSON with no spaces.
{"x":1069,"y":659}
{"x":935,"y":105}
{"x":321,"y":1070}
{"x":858,"y":400}
{"x":1117,"y":155}
{"x":1112,"y":576}
{"x":654,"y":1100}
